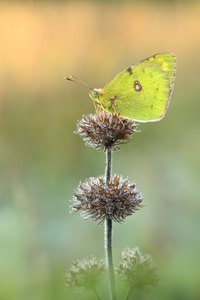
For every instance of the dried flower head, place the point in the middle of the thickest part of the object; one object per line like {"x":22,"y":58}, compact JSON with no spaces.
{"x":97,"y":199}
{"x":138,"y":270}
{"x":104,"y":130}
{"x":85,"y":273}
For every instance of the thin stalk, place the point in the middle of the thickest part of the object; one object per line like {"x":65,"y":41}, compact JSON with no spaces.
{"x":130,"y":292}
{"x":108,"y":164}
{"x":96,"y":294}
{"x":108,"y":232}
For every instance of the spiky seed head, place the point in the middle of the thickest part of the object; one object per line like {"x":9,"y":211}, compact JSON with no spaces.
{"x":85,"y":273}
{"x":105,"y":130}
{"x":138,"y":270}
{"x":97,"y":199}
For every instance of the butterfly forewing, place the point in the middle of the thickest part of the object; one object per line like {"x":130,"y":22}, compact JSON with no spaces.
{"x":142,"y":92}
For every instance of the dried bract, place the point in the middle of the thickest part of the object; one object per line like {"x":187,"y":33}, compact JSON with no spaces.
{"x":97,"y":199}
{"x":104,"y":130}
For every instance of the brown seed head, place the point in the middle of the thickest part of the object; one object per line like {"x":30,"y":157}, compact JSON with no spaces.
{"x":105,"y":130}
{"x":96,"y":199}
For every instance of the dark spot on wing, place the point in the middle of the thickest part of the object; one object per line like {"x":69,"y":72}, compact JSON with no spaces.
{"x":137,"y":86}
{"x":129,"y":70}
{"x":112,"y":100}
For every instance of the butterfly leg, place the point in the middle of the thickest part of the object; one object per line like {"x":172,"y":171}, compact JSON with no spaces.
{"x":97,"y":106}
{"x":112,"y":102}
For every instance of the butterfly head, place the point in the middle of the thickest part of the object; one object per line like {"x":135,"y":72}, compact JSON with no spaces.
{"x":95,"y":95}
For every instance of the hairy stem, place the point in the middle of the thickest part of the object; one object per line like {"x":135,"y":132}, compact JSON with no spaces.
{"x":108,"y":164}
{"x":108,"y":232}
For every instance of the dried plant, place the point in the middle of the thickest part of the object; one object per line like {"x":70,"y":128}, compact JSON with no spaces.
{"x":116,"y":200}
{"x":106,"y":199}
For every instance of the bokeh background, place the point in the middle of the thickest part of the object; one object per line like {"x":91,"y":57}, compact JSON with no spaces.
{"x":42,"y":160}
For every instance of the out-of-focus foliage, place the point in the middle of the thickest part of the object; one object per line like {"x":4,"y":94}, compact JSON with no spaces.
{"x":138,"y":270}
{"x":85,"y":273}
{"x":42,"y":160}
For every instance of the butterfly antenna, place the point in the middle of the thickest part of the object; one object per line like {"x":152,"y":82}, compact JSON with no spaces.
{"x":76,"y":80}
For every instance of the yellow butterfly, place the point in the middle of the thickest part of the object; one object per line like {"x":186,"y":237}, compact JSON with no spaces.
{"x":141,"y":92}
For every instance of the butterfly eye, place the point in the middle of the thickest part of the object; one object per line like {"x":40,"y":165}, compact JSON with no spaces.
{"x":137,"y":86}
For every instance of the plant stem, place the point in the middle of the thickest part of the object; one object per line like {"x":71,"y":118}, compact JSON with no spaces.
{"x":96,"y":294}
{"x":108,"y":164}
{"x":108,"y":232}
{"x":130,"y":292}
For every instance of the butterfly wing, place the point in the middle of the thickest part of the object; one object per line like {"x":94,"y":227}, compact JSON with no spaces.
{"x":142,"y":92}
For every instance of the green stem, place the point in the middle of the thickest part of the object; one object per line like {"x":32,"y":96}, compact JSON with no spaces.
{"x":108,"y":232}
{"x":130,"y":292}
{"x":96,"y":294}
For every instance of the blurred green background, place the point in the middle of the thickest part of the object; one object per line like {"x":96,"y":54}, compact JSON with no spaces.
{"x":42,"y":160}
